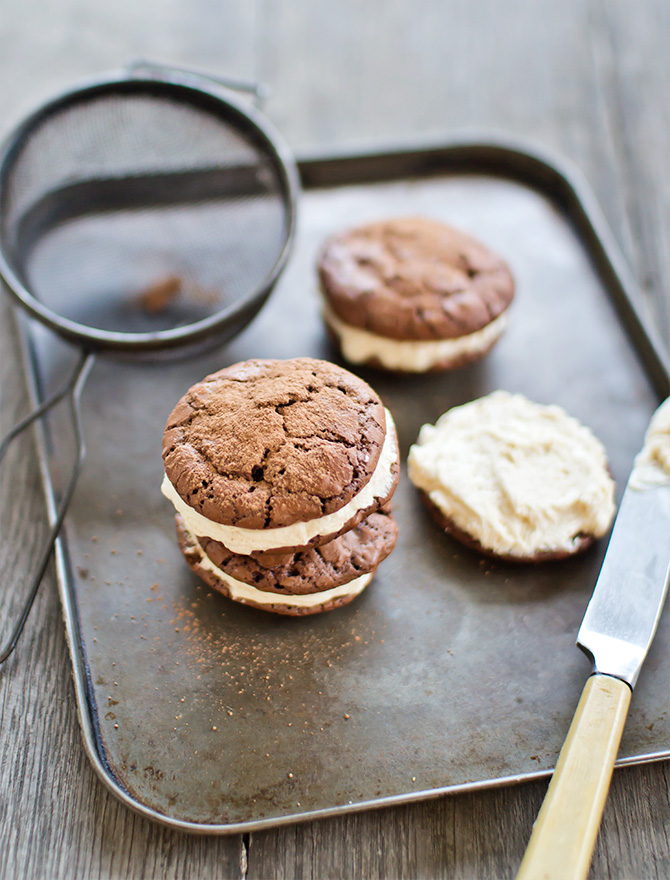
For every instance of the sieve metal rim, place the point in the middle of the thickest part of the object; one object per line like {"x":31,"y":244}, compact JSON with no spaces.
{"x":195,"y":89}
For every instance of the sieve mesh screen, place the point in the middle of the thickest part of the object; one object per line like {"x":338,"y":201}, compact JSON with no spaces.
{"x":140,"y":209}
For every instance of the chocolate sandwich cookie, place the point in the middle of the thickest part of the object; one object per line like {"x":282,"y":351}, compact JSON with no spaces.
{"x":312,"y":580}
{"x":513,"y":479}
{"x":413,"y":295}
{"x":270,"y":455}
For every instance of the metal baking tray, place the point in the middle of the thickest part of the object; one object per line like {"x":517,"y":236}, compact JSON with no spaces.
{"x":449,"y":673}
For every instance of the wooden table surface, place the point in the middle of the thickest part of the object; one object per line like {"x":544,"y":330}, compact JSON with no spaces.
{"x":590,"y":78}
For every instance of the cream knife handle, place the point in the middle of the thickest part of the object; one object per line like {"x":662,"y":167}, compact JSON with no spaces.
{"x":566,"y":828}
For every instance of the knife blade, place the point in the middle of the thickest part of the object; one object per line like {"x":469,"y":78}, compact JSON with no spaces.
{"x":617,"y":630}
{"x":623,"y":614}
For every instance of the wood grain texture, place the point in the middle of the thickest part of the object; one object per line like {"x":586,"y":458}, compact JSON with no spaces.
{"x":589,"y":78}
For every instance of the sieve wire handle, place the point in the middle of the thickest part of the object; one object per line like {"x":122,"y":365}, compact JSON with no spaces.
{"x":73,"y":391}
{"x":260,"y":91}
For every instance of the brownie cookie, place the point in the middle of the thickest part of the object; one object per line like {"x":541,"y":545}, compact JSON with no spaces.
{"x":270,"y":455}
{"x":513,"y":479}
{"x":314,"y":580}
{"x":412,"y":294}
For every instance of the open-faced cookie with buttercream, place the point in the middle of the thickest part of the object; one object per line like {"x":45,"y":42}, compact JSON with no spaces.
{"x":278,"y":455}
{"x":514,"y":479}
{"x":413,"y":294}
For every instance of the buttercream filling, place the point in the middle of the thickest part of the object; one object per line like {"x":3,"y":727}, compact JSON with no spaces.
{"x":247,"y":541}
{"x":411,"y":356}
{"x":652,"y":463}
{"x":245,"y":592}
{"x":519,"y":477}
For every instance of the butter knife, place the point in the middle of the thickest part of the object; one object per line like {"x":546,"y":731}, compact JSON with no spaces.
{"x":616,"y":632}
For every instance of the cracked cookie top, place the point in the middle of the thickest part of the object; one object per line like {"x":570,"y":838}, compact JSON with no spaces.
{"x":413,"y":278}
{"x":269,"y":443}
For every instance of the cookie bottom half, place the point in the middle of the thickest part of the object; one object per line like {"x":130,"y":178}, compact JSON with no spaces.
{"x":294,"y":605}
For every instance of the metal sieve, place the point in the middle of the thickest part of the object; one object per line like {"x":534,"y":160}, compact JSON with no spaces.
{"x":145,"y":211}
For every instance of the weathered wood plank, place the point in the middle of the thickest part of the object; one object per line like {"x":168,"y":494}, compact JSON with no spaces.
{"x":480,"y":835}
{"x":633,"y":71}
{"x":47,"y":46}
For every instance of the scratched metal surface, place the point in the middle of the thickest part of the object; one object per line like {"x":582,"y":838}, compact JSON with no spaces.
{"x":448,"y":671}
